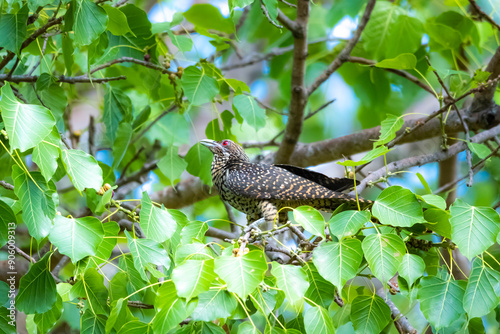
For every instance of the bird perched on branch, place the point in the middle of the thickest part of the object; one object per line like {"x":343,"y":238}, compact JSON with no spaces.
{"x":263,"y":191}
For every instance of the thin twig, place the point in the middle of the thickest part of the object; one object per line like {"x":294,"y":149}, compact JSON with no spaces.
{"x":464,"y":124}
{"x":121,"y":60}
{"x":272,"y":142}
{"x":427,"y":158}
{"x":401,"y":73}
{"x":483,"y":15}
{"x":477,"y":166}
{"x":346,"y":52}
{"x":266,"y":13}
{"x":62,"y":78}
{"x":150,"y":125}
{"x":6,"y":185}
{"x":134,"y":158}
{"x":91,"y":136}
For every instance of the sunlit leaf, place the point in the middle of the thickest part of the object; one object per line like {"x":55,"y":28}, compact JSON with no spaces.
{"x":370,"y":314}
{"x":384,"y":253}
{"x":310,"y":219}
{"x":398,"y":206}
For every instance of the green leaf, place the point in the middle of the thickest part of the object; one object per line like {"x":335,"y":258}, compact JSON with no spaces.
{"x":239,"y":4}
{"x":45,"y":321}
{"x":171,"y":309}
{"x":338,"y":262}
{"x":193,"y":277}
{"x":45,"y":154}
{"x":90,"y":21}
{"x":117,"y":106}
{"x":193,"y":251}
{"x":14,"y":29}
{"x":91,"y":287}
{"x":199,"y":161}
{"x":68,"y":51}
{"x":398,"y":206}
{"x":138,"y":21}
{"x":243,"y":273}
{"x":248,"y":327}
{"x":473,"y":229}
{"x":438,"y":221}
{"x":251,"y":112}
{"x":265,"y":301}
{"x":370,"y":156}
{"x":441,"y":301}
{"x":442,"y":37}
{"x":214,"y":304}
{"x":141,"y":118}
{"x":481,"y":150}
{"x":117,"y":23}
{"x":76,"y":238}
{"x":382,"y":22}
{"x":37,"y":289}
{"x":193,"y":230}
{"x":404,"y":36}
{"x":291,"y":280}
{"x":207,"y":17}
{"x":8,"y":222}
{"x":384,"y":253}
{"x":92,"y":323}
{"x":120,"y":145}
{"x":424,"y":183}
{"x":320,"y":290}
{"x":26,"y":124}
{"x":310,"y":219}
{"x":82,"y":168}
{"x":172,"y":165}
{"x":36,"y":200}
{"x":411,"y":268}
{"x":434,"y":200}
{"x":7,"y":325}
{"x":157,"y":224}
{"x":183,"y":43}
{"x":108,"y":243}
{"x":388,"y":129}
{"x":405,"y":61}
{"x":318,"y":321}
{"x":347,"y":223}
{"x":146,"y":251}
{"x":198,"y":87}
{"x":369,"y":314}
{"x":482,"y":294}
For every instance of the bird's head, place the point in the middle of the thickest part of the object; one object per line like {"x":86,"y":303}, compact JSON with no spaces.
{"x":225,"y":150}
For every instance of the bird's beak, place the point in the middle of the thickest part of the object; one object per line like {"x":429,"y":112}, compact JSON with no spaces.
{"x":210,"y":143}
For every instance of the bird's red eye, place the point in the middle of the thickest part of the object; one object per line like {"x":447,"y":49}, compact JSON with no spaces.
{"x":225,"y":142}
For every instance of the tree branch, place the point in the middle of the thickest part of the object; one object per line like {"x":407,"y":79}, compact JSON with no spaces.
{"x":403,"y":74}
{"x":485,"y":98}
{"x":289,"y":24}
{"x":121,"y":60}
{"x":346,"y":52}
{"x":6,"y":185}
{"x":192,"y":189}
{"x":425,"y":159}
{"x":62,"y":78}
{"x":483,"y":15}
{"x":298,"y":99}
{"x":400,"y":321}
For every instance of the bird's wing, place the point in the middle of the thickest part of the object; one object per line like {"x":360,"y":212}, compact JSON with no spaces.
{"x":334,"y":184}
{"x":271,"y":182}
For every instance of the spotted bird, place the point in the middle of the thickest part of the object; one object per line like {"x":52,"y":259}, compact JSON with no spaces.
{"x":262,"y":190}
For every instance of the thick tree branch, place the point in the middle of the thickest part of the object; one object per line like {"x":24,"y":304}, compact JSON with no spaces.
{"x":288,"y":23}
{"x":427,"y":158}
{"x":485,"y":98}
{"x":346,"y":52}
{"x":299,"y":92}
{"x":400,"y":321}
{"x":192,"y":190}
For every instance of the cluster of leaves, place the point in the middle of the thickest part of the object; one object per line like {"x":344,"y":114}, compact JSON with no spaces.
{"x":206,"y":282}
{"x":172,"y":274}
